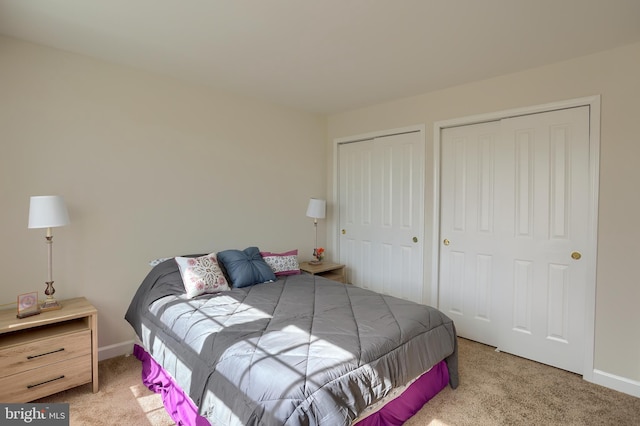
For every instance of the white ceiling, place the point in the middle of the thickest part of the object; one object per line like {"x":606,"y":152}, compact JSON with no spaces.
{"x":326,"y":55}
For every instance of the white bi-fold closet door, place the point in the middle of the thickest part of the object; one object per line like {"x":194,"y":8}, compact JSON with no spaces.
{"x":514,"y":200}
{"x":381,"y":213}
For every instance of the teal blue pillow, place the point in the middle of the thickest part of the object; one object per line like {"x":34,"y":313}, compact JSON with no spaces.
{"x":246,"y":267}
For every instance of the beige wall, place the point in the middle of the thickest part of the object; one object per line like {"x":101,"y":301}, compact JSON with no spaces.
{"x":149,"y":167}
{"x":153,"y":167}
{"x":615,"y":75}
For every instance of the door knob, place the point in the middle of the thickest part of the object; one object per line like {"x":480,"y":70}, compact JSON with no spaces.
{"x":415,"y":239}
{"x":344,"y":232}
{"x":446,"y":242}
{"x":576,"y":255}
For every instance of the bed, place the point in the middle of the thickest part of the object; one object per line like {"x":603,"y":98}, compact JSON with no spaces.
{"x":297,"y":349}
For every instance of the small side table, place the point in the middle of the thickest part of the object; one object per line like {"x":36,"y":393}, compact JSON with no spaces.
{"x":332,"y":271}
{"x":44,"y":354}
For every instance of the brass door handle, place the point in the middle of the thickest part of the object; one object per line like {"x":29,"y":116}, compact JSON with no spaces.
{"x":344,"y":231}
{"x":576,"y":255}
{"x":415,"y":239}
{"x":446,"y":242}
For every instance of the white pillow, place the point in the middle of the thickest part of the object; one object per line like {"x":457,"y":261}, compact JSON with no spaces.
{"x":158,"y":261}
{"x":202,"y":275}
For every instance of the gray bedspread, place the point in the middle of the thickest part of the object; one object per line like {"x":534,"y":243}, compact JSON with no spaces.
{"x":299,"y":351}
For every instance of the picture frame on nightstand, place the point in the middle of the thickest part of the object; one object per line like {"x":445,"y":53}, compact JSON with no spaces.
{"x":28,"y":305}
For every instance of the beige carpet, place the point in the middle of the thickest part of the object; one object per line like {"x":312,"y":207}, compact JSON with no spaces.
{"x":495,"y":389}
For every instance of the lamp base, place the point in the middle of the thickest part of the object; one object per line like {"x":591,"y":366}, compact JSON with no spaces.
{"x":50,"y":305}
{"x":315,"y":262}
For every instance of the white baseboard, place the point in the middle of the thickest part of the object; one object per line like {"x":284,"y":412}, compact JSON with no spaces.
{"x":611,"y":381}
{"x":111,"y":351}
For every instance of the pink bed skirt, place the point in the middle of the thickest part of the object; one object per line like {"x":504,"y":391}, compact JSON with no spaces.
{"x":399,"y":410}
{"x":183,"y":411}
{"x":178,"y":404}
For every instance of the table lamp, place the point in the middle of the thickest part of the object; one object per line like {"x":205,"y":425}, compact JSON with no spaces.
{"x":48,"y":211}
{"x":317,"y":210}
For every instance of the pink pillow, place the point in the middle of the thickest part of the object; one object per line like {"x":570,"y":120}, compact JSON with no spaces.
{"x":282,"y":263}
{"x":202,"y":275}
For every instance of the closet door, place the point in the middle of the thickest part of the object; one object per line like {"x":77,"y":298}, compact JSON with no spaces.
{"x":356,"y":199}
{"x":471,"y":241}
{"x":547,"y":191}
{"x":514,"y":198}
{"x":381,"y":203}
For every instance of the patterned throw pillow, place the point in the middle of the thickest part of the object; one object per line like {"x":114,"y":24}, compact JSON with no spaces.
{"x":282,"y":263}
{"x":202,"y":275}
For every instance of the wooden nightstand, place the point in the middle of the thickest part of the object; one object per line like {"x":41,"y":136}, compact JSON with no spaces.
{"x":332,"y":271}
{"x":47,"y":353}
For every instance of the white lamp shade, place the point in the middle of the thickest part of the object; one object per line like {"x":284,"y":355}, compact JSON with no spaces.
{"x":48,"y":211}
{"x":317,"y":208}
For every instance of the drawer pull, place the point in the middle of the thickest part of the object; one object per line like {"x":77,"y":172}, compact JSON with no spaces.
{"x":45,"y":382}
{"x":46,"y":353}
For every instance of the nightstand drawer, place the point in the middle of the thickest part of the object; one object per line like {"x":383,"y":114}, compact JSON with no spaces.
{"x":38,"y":353}
{"x":46,"y":380}
{"x":335,"y":276}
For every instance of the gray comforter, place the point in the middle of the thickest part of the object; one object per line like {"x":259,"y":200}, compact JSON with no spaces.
{"x":300,"y":351}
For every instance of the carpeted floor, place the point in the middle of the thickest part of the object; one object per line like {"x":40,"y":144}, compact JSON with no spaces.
{"x":495,"y":389}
